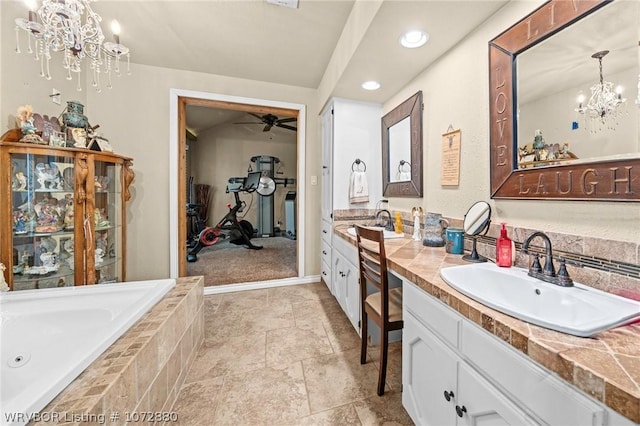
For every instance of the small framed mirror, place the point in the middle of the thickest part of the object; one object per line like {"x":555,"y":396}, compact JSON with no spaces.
{"x":476,"y":221}
{"x":402,"y":149}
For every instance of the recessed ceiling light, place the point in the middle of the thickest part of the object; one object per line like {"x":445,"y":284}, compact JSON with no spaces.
{"x":413,"y":39}
{"x":371,"y":85}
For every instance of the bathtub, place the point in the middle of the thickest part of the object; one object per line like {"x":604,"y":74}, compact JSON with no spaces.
{"x":49,"y":336}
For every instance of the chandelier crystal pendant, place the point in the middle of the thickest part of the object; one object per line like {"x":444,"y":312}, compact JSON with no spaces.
{"x":72,"y":28}
{"x":603,"y":108}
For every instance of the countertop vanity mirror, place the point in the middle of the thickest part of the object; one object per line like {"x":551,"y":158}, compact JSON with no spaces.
{"x":476,"y":220}
{"x":547,"y":142}
{"x":402,"y":149}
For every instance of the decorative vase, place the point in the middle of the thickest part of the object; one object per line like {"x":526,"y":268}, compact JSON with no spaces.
{"x":434,"y":230}
{"x":74,"y":115}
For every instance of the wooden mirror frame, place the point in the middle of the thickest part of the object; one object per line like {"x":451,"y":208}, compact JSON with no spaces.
{"x":613,"y":180}
{"x":412,"y":108}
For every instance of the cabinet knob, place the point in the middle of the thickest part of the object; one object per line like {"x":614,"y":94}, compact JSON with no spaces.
{"x":461,"y":410}
{"x":324,"y":252}
{"x":324,"y":273}
{"x":448,"y":395}
{"x":324,"y":232}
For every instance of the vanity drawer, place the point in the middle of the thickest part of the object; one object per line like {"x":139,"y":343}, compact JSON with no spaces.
{"x":346,"y":248}
{"x":325,"y":274}
{"x":326,"y":231}
{"x":325,"y":252}
{"x":432,"y":313}
{"x":537,"y":389}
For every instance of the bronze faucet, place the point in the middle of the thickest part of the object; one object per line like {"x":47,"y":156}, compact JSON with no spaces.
{"x":547,"y":274}
{"x":387,"y":223}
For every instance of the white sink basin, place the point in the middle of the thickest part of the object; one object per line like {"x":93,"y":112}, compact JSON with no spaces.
{"x":579,"y":310}
{"x":387,"y":234}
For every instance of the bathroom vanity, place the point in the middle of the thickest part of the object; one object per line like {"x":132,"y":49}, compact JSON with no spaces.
{"x":465,"y":363}
{"x":64,"y":224}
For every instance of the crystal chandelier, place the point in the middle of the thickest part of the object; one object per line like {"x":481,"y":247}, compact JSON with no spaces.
{"x":603,"y":107}
{"x":73,"y":28}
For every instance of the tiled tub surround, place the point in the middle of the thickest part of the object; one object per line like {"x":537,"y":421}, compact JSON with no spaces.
{"x":144,"y":369}
{"x":606,"y":367}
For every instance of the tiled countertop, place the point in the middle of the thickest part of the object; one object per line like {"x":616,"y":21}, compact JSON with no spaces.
{"x":606,"y":366}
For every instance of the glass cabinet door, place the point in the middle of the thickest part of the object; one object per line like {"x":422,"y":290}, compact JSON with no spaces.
{"x":43,"y":211}
{"x":108,"y":227}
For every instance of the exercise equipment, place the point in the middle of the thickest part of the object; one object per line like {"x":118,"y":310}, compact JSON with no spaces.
{"x":265,"y":164}
{"x":237,"y":231}
{"x":290,"y":214}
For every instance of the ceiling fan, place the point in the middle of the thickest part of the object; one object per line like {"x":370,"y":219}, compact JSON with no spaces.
{"x":270,"y":120}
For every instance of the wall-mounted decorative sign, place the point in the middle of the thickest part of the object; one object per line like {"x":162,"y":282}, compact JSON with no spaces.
{"x":450,"y":163}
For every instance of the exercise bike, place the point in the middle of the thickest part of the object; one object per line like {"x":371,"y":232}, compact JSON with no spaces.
{"x":237,"y":231}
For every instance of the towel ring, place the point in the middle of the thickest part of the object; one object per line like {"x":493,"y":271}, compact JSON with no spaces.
{"x":402,"y":163}
{"x":357,"y":164}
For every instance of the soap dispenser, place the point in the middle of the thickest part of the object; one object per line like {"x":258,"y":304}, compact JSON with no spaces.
{"x":504,"y":248}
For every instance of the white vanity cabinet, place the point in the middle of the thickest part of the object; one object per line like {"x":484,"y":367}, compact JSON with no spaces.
{"x":345,"y":280}
{"x":454,"y":372}
{"x":350,"y":130}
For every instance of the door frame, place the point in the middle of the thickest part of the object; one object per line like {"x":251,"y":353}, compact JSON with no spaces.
{"x":178,"y":101}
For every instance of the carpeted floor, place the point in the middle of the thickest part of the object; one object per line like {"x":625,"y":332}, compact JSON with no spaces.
{"x":226,"y":263}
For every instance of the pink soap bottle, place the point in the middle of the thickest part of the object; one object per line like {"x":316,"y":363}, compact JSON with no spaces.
{"x":504,"y":249}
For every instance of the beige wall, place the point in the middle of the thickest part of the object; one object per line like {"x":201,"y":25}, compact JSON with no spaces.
{"x":134,"y":116}
{"x":456,"y":92}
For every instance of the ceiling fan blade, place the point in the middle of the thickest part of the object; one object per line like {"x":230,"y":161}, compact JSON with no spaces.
{"x":259,"y":117}
{"x":286,"y":126}
{"x":247,"y":122}
{"x":267,"y":128}
{"x":287,"y":120}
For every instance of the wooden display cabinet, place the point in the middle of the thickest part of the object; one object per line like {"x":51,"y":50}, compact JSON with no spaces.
{"x":62,"y":215}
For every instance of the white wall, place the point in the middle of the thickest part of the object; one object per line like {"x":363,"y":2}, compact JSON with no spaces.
{"x":456,"y":92}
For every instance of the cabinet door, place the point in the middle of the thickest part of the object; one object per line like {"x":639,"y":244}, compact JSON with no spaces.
{"x":352,"y":294}
{"x":428,"y":371}
{"x":479,"y":403}
{"x":41,"y":212}
{"x":107,"y":256}
{"x":327,"y":164}
{"x":338,"y":277}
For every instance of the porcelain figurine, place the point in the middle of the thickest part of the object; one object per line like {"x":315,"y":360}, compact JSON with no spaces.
{"x":3,"y":284}
{"x":538,"y":140}
{"x":48,"y":176}
{"x":20,"y":182}
{"x":417,"y":217}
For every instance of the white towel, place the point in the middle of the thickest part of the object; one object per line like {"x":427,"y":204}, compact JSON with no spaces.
{"x":358,"y":188}
{"x":404,"y":176}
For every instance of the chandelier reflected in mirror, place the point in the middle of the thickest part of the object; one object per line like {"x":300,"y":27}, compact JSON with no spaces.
{"x":602,"y":111}
{"x":72,"y":28}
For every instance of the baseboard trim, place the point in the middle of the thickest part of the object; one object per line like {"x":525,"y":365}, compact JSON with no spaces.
{"x":228,"y":288}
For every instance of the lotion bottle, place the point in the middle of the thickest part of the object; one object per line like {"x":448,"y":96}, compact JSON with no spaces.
{"x":398,"y":226}
{"x":504,"y":249}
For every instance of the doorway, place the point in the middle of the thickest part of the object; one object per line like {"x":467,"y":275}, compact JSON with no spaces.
{"x":178,"y":165}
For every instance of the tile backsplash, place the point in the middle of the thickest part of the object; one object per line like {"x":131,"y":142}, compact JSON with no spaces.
{"x":608,"y":265}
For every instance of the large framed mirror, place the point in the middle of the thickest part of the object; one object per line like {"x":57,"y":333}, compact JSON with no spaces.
{"x":546,"y":140}
{"x":402,"y":149}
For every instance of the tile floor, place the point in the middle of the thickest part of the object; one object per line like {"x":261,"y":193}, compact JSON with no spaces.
{"x":286,"y":356}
